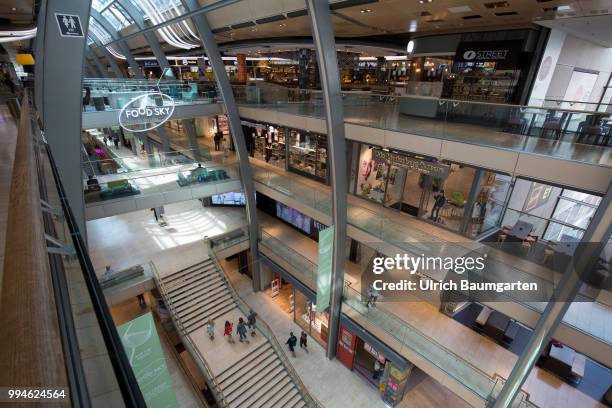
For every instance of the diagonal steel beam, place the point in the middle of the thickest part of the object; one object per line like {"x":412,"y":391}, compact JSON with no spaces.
{"x":233,"y":115}
{"x":325,"y":47}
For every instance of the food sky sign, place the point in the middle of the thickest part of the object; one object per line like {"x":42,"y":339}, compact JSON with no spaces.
{"x":146,"y":112}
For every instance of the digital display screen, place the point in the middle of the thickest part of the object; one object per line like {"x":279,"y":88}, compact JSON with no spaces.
{"x":228,"y":199}
{"x":293,"y":217}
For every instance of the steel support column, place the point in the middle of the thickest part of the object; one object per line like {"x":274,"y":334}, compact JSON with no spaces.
{"x":123,"y":46}
{"x":109,"y":57}
{"x":584,"y":260}
{"x":149,"y":35}
{"x":96,"y":60}
{"x":61,"y":101}
{"x":190,"y":129}
{"x":325,"y":47}
{"x":39,"y":58}
{"x":233,"y":115}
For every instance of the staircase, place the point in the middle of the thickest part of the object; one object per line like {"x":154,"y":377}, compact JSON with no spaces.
{"x":259,"y":379}
{"x":196,"y":294}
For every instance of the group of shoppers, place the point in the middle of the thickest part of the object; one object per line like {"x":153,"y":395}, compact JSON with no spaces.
{"x":221,"y":143}
{"x":292,"y":342}
{"x":241,"y":328}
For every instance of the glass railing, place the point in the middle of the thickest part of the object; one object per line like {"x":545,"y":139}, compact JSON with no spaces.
{"x":572,"y":134}
{"x":505,"y":262}
{"x":229,"y":239}
{"x":91,"y":348}
{"x":267,"y":332}
{"x":132,"y":163}
{"x":158,"y":180}
{"x":304,"y":269}
{"x":114,"y":94}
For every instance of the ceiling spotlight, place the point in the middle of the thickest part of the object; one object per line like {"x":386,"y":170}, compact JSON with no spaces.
{"x":282,"y":25}
{"x":425,"y":1}
{"x":13,"y":8}
{"x":364,"y":11}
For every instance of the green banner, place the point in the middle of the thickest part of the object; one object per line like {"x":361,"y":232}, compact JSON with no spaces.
{"x":144,"y":351}
{"x":324,"y":268}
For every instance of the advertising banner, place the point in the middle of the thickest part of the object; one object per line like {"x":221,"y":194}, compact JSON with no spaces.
{"x":547,"y":67}
{"x":143,"y":349}
{"x":324,"y":268}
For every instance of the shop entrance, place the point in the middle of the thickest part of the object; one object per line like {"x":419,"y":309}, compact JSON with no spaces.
{"x":368,"y":362}
{"x":407,"y":191}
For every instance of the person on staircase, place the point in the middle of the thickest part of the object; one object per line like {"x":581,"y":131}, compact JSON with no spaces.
{"x":210,"y":329}
{"x":229,"y":328}
{"x":241,"y":329}
{"x":252,"y":321}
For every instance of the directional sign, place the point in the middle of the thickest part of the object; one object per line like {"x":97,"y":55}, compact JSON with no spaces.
{"x":69,"y":25}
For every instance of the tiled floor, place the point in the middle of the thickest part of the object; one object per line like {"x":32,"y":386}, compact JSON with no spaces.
{"x":125,"y":240}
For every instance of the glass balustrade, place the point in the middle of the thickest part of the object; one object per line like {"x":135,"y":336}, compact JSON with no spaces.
{"x":538,"y":264}
{"x":583,"y":135}
{"x":114,"y":94}
{"x":157,"y":180}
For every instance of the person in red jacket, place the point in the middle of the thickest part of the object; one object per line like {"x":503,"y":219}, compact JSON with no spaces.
{"x":228,"y":331}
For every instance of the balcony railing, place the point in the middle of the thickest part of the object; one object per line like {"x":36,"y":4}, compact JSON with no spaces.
{"x":571,"y":134}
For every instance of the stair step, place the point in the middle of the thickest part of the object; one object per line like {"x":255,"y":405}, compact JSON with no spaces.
{"x":201,"y":274}
{"x":279,"y":387}
{"x":202,"y":287}
{"x":248,"y":399}
{"x":253,"y":379}
{"x":283,"y":387}
{"x":182,"y":302}
{"x":213,"y":309}
{"x":169,"y":278}
{"x":191,"y":308}
{"x":263,"y":348}
{"x":295,"y":401}
{"x":246,"y":376}
{"x":193,"y":326}
{"x":281,"y":400}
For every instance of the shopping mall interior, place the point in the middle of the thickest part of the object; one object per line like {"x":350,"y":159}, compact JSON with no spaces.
{"x":306,"y":203}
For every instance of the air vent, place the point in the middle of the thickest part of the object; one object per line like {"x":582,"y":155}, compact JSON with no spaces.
{"x":243,"y":25}
{"x":350,"y":3}
{"x":506,"y":13}
{"x":271,"y":19}
{"x":497,"y":4}
{"x":471,"y":17}
{"x":425,"y":13}
{"x":299,"y":13}
{"x":220,"y":30}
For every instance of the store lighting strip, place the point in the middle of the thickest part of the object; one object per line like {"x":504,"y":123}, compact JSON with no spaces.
{"x":168,"y":33}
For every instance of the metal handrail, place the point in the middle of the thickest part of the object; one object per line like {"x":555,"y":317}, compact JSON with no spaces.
{"x":310,"y":400}
{"x":207,"y":371}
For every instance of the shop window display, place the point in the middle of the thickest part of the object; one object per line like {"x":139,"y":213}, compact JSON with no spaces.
{"x":265,"y":142}
{"x":308,"y":154}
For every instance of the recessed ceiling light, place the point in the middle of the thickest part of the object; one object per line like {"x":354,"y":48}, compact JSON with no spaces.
{"x":363,"y":11}
{"x":282,"y":25}
{"x":13,"y":8}
{"x":425,"y":1}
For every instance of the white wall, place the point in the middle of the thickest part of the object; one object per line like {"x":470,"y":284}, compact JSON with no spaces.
{"x":577,"y":53}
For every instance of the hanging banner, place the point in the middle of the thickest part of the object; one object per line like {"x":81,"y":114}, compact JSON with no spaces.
{"x":324,"y":268}
{"x":146,"y":112}
{"x":143,"y":349}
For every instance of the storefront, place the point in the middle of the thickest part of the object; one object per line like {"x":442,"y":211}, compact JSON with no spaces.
{"x":461,"y":198}
{"x":379,"y":366}
{"x":299,"y":151}
{"x":265,"y":142}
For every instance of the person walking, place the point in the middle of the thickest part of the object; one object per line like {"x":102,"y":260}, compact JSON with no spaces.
{"x":116,"y":142}
{"x":304,"y":341}
{"x":372,"y":297}
{"x":229,"y":328}
{"x":252,"y":321}
{"x":225,"y":148}
{"x":292,"y":342}
{"x":217,"y":138}
{"x":155,"y":214}
{"x":241,"y":329}
{"x":439,"y":202}
{"x":210,"y":329}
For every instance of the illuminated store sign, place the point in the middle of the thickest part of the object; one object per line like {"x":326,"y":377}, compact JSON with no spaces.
{"x":146,"y":112}
{"x":421,"y":166}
